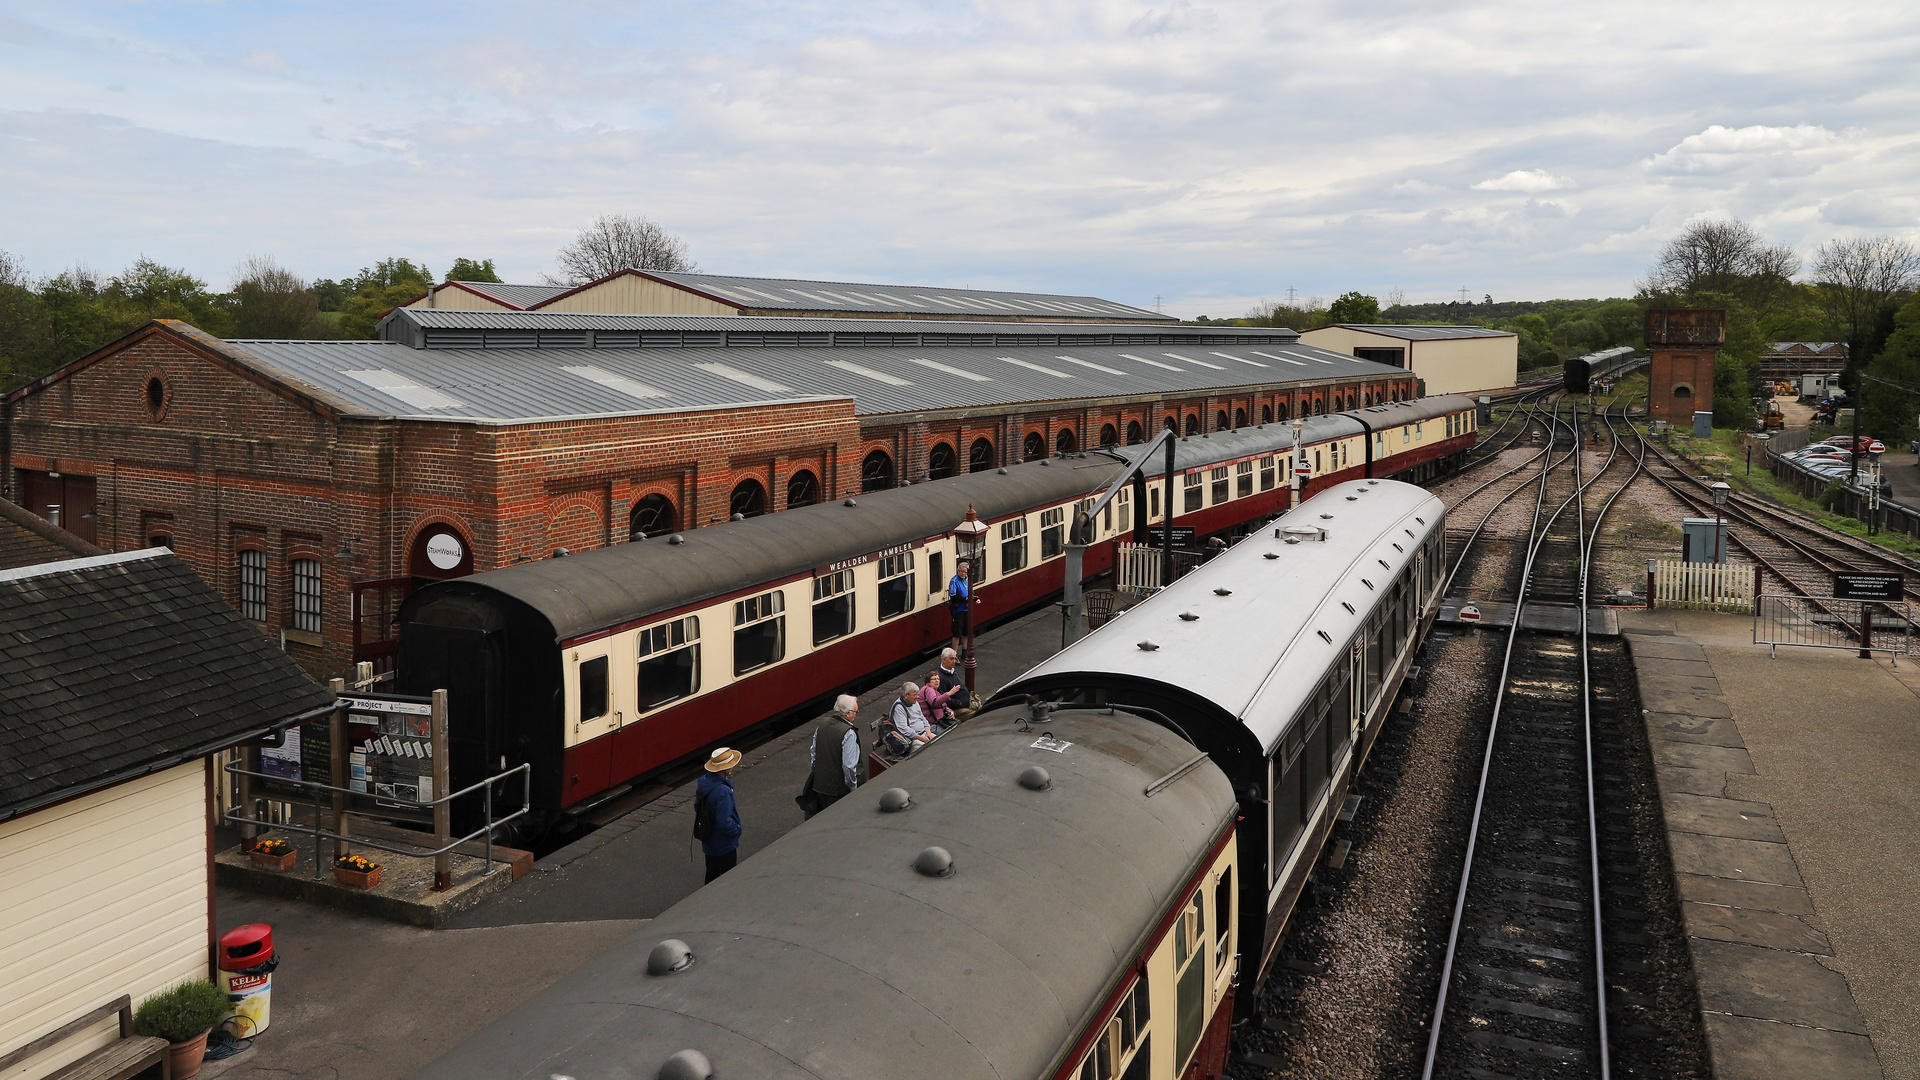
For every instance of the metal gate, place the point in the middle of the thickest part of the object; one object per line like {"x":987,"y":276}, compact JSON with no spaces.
{"x":1824,"y":622}
{"x":1136,"y":568}
{"x":1702,"y":586}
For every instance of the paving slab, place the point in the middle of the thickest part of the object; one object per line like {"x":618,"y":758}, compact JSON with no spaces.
{"x":1664,"y":647}
{"x":1728,"y":857}
{"x":1673,"y":778}
{"x":1657,"y":699}
{"x":1750,"y":1049}
{"x":1760,"y":895}
{"x":1654,"y":665}
{"x":1721,"y":817}
{"x":1723,"y":759}
{"x":1766,"y":929}
{"x":1678,"y":683}
{"x":1768,"y":984}
{"x":1709,"y":730}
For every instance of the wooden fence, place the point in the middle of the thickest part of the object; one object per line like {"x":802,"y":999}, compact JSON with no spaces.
{"x":1703,"y":586}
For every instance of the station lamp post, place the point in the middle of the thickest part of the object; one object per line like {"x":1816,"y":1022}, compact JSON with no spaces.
{"x":1873,"y":491}
{"x":970,"y":547}
{"x":1721,"y":492}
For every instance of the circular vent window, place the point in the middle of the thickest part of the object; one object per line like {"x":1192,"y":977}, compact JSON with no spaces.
{"x":156,"y":395}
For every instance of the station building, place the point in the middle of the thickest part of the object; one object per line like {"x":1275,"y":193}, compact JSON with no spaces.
{"x":1447,"y":359}
{"x":314,"y":483}
{"x":1792,"y":359}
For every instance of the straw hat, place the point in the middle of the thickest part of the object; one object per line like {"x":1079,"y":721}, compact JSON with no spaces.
{"x":723,"y":759}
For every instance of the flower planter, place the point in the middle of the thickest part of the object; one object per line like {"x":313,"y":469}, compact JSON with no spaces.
{"x":272,"y":861}
{"x":184,"y":1058}
{"x":357,"y":879}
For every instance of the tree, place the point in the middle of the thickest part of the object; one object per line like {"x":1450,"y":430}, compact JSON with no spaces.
{"x":1308,"y":315}
{"x":616,"y":242}
{"x":379,"y":289}
{"x":270,"y":301}
{"x":464,"y":269}
{"x":23,"y":324}
{"x":1715,"y":256}
{"x":147,"y":290}
{"x":1890,"y":390}
{"x":1354,"y":307}
{"x":1861,"y":281}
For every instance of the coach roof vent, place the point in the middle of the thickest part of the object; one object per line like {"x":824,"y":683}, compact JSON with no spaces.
{"x":687,"y":1065}
{"x":669,"y":956}
{"x":934,"y":862}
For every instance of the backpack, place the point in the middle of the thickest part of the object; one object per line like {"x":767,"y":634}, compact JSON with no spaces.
{"x":702,"y":817}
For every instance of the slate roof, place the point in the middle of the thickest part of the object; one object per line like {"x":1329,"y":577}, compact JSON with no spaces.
{"x":1425,"y":333}
{"x":116,"y":666}
{"x":26,"y":538}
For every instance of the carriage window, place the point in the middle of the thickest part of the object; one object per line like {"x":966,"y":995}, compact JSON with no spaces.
{"x":1406,"y":434}
{"x":1419,"y":432}
{"x":832,"y":606}
{"x":936,"y":571}
{"x":759,"y":632}
{"x":1153,"y":502}
{"x":1266,"y":474}
{"x":1125,"y":499}
{"x":1052,"y":532}
{"x":896,"y":584}
{"x":1222,"y":917}
{"x":669,"y":662}
{"x":1194,"y":491}
{"x":1121,"y":1049}
{"x":1190,"y":1005}
{"x":1013,"y":545}
{"x":1243,"y":479}
{"x":593,"y":689}
{"x":1219,"y":485}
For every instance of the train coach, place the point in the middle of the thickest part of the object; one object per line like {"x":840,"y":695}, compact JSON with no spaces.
{"x":1582,"y":373}
{"x":606,"y":666}
{"x":1279,"y":660}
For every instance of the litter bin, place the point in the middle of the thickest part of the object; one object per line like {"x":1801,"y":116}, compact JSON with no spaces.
{"x":247,"y":961}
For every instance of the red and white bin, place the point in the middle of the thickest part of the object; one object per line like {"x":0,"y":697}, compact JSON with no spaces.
{"x":247,"y":961}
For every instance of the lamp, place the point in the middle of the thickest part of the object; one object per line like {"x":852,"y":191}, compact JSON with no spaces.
{"x":1722,"y":491}
{"x":970,"y":546}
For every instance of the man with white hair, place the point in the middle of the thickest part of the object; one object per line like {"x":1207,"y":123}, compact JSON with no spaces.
{"x":910,"y":729}
{"x":959,"y":698}
{"x":835,"y":755}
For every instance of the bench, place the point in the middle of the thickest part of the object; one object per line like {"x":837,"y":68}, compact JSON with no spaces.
{"x":125,"y":1057}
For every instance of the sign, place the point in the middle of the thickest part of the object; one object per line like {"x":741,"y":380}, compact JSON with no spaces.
{"x":445,"y":551}
{"x":848,"y":564}
{"x":390,"y":754}
{"x":1854,"y":586}
{"x":1183,"y":536}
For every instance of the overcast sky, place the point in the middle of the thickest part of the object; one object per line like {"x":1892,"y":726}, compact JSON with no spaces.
{"x":1207,"y":153}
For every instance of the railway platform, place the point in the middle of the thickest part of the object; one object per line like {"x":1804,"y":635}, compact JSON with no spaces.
{"x":363,"y":998}
{"x":1788,"y":789}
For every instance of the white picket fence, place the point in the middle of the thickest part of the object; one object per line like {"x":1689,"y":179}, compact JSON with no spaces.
{"x":1136,"y":568}
{"x":1703,"y":586}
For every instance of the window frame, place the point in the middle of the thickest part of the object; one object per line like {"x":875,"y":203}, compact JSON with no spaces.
{"x":839,"y":593}
{"x":1220,"y":485}
{"x":754,"y":611}
{"x":1053,"y":533}
{"x":891,"y":569}
{"x":1013,"y":545}
{"x":1193,"y":491}
{"x":674,"y":636}
{"x":307,"y":595}
{"x":254,"y":607}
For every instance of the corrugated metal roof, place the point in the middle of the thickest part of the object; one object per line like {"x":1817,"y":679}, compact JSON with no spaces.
{"x":1425,"y":333}
{"x":385,"y":378}
{"x":449,"y":318}
{"x":776,"y":294}
{"x":524,"y":296}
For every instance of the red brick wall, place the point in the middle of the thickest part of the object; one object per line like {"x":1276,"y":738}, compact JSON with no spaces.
{"x":1672,"y":367}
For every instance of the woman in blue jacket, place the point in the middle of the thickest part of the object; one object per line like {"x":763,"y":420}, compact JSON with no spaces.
{"x":715,"y":798}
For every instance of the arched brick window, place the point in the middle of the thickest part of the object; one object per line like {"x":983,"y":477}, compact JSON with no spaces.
{"x":1064,"y":441}
{"x":876,"y":471}
{"x":1109,"y":435}
{"x":749,"y":499}
{"x":941,"y":462}
{"x":1135,"y":436}
{"x":253,"y":584}
{"x":803,"y":489}
{"x":652,"y":516}
{"x":1034,"y":448}
{"x":1193,"y":424}
{"x":1220,"y":422}
{"x":1239,"y":418}
{"x":1266,"y":414}
{"x":980,"y":457}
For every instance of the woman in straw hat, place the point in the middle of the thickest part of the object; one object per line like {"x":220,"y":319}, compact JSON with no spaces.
{"x":714,"y":802}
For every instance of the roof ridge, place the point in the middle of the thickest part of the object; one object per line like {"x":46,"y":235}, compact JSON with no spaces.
{"x":21,"y":573}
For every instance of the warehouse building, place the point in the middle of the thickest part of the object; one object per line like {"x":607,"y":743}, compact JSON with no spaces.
{"x":313,"y":483}
{"x":660,"y":292}
{"x":1792,"y":359}
{"x":1447,"y":359}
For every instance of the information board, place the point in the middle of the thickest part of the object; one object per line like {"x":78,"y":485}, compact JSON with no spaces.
{"x":1183,"y":536}
{"x":390,"y":754}
{"x":1859,"y":586}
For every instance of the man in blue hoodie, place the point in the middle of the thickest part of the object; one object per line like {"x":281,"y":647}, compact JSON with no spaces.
{"x":715,"y":797}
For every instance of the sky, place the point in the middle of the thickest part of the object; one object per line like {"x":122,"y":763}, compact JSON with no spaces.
{"x":1201,"y":156}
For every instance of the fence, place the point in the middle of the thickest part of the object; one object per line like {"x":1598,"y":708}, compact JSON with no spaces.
{"x":1702,"y":586}
{"x":1823,"y":622}
{"x":1136,"y":568}
{"x":1849,"y":501}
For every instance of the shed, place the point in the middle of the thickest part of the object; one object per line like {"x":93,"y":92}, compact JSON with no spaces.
{"x":1451,"y":359}
{"x":120,"y":677}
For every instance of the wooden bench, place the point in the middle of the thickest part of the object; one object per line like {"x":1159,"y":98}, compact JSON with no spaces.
{"x":125,"y":1057}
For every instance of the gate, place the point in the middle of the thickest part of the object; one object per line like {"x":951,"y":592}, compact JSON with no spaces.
{"x":1702,"y":586}
{"x":1825,"y":622}
{"x":1136,"y":568}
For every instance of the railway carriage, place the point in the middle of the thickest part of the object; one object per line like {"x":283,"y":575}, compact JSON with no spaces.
{"x":608,"y":665}
{"x":1583,"y":373}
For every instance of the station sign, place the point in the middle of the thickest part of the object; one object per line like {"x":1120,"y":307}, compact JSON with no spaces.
{"x":1183,"y":536}
{"x":861,"y":560}
{"x":390,"y":756}
{"x":1858,"y":586}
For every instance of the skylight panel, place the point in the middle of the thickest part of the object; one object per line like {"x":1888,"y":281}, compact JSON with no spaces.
{"x":615,"y":382}
{"x":395,"y":385}
{"x":938,"y":366}
{"x":1090,"y":364}
{"x":1191,"y":360}
{"x":1241,"y":359}
{"x":746,"y":378}
{"x":937,"y":300}
{"x":876,"y":376}
{"x":812,"y":297}
{"x":1282,"y":359}
{"x":1036,"y":367}
{"x":1155,"y":363}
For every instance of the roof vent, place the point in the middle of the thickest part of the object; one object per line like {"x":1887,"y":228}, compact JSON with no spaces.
{"x":1002,"y":470}
{"x":1326,"y":517}
{"x":676,"y":539}
{"x":687,"y":1065}
{"x":1223,"y":592}
{"x":669,"y":956}
{"x":1147,"y":646}
{"x":849,"y":502}
{"x":1293,"y":534}
{"x":894,"y":800}
{"x":1273,"y":554}
{"x":1035,"y":778}
{"x":1324,"y":637}
{"x":1188,"y":616}
{"x":1419,"y":519}
{"x":561,"y":553}
{"x":1353,"y":498}
{"x":739,"y":517}
{"x":934,"y":862}
{"x":1046,"y":461}
{"x":1372,"y":482}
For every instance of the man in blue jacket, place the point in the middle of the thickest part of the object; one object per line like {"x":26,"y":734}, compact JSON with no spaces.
{"x":714,"y":797}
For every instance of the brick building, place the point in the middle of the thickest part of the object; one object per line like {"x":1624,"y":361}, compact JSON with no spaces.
{"x":314,"y":482}
{"x":1682,"y":343}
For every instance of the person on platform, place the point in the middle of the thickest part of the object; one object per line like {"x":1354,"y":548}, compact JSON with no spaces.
{"x":908,"y":721}
{"x":715,"y":796}
{"x":954,"y":685}
{"x":835,"y":754}
{"x":936,"y":706}
{"x":959,"y":601}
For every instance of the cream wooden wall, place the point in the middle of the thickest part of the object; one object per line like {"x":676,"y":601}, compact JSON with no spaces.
{"x":102,"y":896}
{"x":630,"y":294}
{"x":459,"y":300}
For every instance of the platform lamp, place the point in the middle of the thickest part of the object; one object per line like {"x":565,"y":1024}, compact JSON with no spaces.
{"x":1721,"y":492}
{"x":970,"y":546}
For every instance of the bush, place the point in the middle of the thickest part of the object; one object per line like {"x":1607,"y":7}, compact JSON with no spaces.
{"x":181,"y":1012}
{"x":1834,"y":497}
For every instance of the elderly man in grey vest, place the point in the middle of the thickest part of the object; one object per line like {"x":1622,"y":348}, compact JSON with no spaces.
{"x":837,"y":762}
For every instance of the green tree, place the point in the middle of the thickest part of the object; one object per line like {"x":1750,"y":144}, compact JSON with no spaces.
{"x":24,"y":325}
{"x":379,"y":289}
{"x":1890,"y":394}
{"x":270,"y":301}
{"x":148,"y":290}
{"x":464,"y":269}
{"x":1354,"y":307}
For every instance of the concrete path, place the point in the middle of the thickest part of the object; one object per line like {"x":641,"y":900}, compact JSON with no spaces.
{"x":1791,"y":786}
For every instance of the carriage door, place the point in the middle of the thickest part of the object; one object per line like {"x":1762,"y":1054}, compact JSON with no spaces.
{"x":1356,"y":696}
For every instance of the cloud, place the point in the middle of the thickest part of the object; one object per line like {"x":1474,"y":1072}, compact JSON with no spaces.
{"x":1722,"y":149}
{"x":1528,"y":180}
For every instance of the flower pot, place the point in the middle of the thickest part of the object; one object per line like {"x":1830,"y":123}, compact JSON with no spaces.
{"x":183,"y":1058}
{"x":272,"y":861}
{"x":356,"y":879}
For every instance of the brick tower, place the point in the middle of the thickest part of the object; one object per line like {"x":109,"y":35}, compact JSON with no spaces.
{"x":1680,"y":376}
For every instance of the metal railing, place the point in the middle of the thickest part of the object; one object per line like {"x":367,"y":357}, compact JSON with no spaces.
{"x":236,"y":815}
{"x":1702,"y":586}
{"x":1825,"y":622}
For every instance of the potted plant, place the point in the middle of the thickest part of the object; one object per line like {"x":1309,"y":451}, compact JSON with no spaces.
{"x":357,"y":871}
{"x":277,"y":854}
{"x":182,"y":1015}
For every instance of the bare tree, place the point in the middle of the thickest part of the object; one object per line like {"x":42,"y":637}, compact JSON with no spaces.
{"x":1395,"y":297}
{"x":616,"y":242}
{"x":270,"y":301}
{"x":1860,"y":280}
{"x":1708,"y":256}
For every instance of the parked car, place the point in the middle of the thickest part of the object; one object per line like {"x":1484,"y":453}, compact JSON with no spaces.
{"x":1864,"y":442}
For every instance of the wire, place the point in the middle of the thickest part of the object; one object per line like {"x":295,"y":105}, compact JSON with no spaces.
{"x":223,"y":1043}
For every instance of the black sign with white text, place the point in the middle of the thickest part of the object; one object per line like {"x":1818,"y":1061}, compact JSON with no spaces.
{"x":1183,"y":536}
{"x":1853,"y":586}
